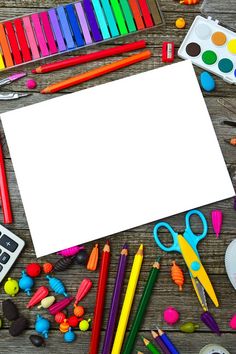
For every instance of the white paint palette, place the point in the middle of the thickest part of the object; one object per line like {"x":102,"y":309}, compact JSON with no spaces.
{"x":230,"y":262}
{"x":212,"y":47}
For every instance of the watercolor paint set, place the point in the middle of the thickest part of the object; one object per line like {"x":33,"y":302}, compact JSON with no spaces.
{"x":210,"y":45}
{"x":69,"y":27}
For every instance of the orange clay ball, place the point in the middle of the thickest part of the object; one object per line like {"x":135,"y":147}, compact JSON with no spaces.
{"x":177,"y":275}
{"x":180,"y":23}
{"x":47,"y":268}
{"x":78,"y":311}
{"x":64,"y":326}
{"x":60,"y":317}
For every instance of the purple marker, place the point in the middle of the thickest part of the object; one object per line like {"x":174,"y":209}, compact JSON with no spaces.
{"x":109,"y":335}
{"x":92,"y":21}
{"x":83,"y":23}
{"x":56,"y":30}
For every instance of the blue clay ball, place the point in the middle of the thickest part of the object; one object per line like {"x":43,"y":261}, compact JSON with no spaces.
{"x":207,"y":82}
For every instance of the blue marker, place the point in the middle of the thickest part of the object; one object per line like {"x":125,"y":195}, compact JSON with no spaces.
{"x":74,"y":24}
{"x":65,"y":27}
{"x":167,"y":342}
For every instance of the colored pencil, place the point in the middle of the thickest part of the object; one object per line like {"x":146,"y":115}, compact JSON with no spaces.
{"x":5,"y":199}
{"x":81,"y":59}
{"x":129,"y":344}
{"x":115,"y":301}
{"x":167,"y":341}
{"x":160,"y":342}
{"x":98,"y":312}
{"x":150,"y":346}
{"x":89,"y":75}
{"x":128,"y":301}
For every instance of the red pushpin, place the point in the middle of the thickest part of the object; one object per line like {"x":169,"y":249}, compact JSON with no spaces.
{"x":217,"y":219}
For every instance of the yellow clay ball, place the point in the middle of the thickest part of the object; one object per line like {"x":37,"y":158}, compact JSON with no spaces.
{"x":180,"y":22}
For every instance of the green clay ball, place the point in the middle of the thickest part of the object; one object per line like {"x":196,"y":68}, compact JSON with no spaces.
{"x":189,"y":327}
{"x":84,"y":325}
{"x":10,"y":310}
{"x":11,"y":287}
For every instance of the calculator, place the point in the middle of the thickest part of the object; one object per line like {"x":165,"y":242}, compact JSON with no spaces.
{"x":10,"y":248}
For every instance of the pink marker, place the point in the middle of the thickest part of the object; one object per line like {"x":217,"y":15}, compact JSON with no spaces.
{"x":217,"y":219}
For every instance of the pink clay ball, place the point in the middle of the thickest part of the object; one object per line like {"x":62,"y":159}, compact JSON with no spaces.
{"x":31,"y":84}
{"x":232,"y":323}
{"x":171,"y":316}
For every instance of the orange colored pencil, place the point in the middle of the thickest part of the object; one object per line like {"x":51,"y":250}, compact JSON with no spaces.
{"x":91,"y":74}
{"x":98,"y":312}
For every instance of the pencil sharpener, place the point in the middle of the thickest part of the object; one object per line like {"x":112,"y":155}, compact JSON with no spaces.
{"x":213,"y":349}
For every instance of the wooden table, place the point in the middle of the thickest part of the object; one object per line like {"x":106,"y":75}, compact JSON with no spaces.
{"x":166,"y":293}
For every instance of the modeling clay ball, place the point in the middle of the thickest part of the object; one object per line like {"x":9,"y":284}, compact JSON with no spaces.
{"x":82,"y":257}
{"x":31,"y":84}
{"x":60,"y":317}
{"x":69,"y":336}
{"x":180,"y":23}
{"x":26,"y":283}
{"x":10,"y":310}
{"x":73,"y":321}
{"x":189,"y":327}
{"x":47,"y":268}
{"x":42,"y":326}
{"x":11,"y":287}
{"x":78,"y":311}
{"x":64,"y":326}
{"x":207,"y":82}
{"x":18,"y":326}
{"x":232,"y":323}
{"x":33,"y":270}
{"x":171,"y":316}
{"x":37,"y":341}
{"x":84,"y":325}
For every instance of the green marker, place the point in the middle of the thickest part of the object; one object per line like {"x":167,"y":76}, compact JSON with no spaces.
{"x":128,"y":15}
{"x":119,"y":17}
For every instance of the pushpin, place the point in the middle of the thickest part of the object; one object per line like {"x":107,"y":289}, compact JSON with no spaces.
{"x":217,"y":219}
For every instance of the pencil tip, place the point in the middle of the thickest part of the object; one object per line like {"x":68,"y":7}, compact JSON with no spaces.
{"x":125,"y":246}
{"x":154,"y":334}
{"x":141,"y":247}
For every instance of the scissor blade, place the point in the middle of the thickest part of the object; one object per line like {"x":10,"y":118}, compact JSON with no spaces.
{"x":200,"y":293}
{"x":196,"y":268}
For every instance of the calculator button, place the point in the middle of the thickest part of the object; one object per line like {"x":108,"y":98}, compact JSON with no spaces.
{"x":4,"y":258}
{"x":8,"y":243}
{"x":1,"y":267}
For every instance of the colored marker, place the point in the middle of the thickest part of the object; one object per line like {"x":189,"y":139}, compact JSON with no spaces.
{"x":39,"y":34}
{"x":101,"y":19}
{"x":65,"y":27}
{"x":48,"y":32}
{"x":31,"y":38}
{"x":57,"y":30}
{"x":74,"y":24}
{"x":5,"y":47}
{"x":110,"y":18}
{"x":22,"y":40}
{"x":83,"y":23}
{"x":92,"y":20}
{"x":13,"y":42}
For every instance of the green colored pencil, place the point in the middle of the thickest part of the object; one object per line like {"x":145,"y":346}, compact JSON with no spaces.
{"x":150,"y":346}
{"x":129,"y":343}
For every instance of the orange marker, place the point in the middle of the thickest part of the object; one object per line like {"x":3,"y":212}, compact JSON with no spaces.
{"x":5,"y":47}
{"x":89,"y":75}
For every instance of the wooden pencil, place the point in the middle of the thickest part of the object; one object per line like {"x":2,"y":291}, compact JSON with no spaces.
{"x":128,"y":301}
{"x":151,"y":347}
{"x":161,"y":344}
{"x":98,"y":312}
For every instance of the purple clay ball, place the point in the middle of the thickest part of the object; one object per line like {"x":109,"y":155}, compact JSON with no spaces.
{"x":31,"y":84}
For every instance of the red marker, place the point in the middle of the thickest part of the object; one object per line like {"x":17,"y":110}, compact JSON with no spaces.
{"x":6,"y":205}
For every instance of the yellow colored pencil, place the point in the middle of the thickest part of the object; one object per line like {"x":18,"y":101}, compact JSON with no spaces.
{"x":128,"y":301}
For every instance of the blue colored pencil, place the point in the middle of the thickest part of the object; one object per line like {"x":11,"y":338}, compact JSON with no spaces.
{"x":167,"y":341}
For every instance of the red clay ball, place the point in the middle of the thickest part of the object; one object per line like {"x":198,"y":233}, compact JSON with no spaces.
{"x":60,"y":317}
{"x":33,"y":270}
{"x":73,"y":321}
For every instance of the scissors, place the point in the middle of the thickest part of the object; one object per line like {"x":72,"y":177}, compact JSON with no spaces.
{"x":186,"y":244}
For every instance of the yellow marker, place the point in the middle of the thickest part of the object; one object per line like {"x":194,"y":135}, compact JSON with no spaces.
{"x":2,"y":65}
{"x":128,"y":301}
{"x":196,"y":268}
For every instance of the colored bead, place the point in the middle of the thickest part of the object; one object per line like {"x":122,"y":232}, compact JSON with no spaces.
{"x":78,"y":311}
{"x":26,"y":283}
{"x":47,"y":268}
{"x":232,"y":323}
{"x":70,"y":251}
{"x":60,"y":305}
{"x":93,"y":259}
{"x":189,"y":327}
{"x":81,"y":258}
{"x":177,"y":275}
{"x":83,"y":289}
{"x":73,"y":321}
{"x":217,"y":220}
{"x":31,"y":84}
{"x":84,"y":325}
{"x":180,"y":23}
{"x":69,"y":336}
{"x":39,"y":295}
{"x":63,"y":264}
{"x":210,"y":322}
{"x":60,"y":317}
{"x":47,"y":302}
{"x":42,"y":326}
{"x":56,"y":285}
{"x":64,"y":326}
{"x":18,"y":326}
{"x":37,"y":341}
{"x":10,"y":310}
{"x":207,"y":81}
{"x":11,"y":287}
{"x":33,"y":270}
{"x":171,"y":316}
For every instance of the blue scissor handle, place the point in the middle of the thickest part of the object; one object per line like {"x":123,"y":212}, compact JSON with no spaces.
{"x":189,"y":235}
{"x":174,"y":246}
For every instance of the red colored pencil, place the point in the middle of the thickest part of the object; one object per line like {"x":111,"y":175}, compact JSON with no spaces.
{"x":5,"y":199}
{"x":80,"y":59}
{"x":98,"y":312}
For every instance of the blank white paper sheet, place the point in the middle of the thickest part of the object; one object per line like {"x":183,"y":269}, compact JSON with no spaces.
{"x":115,"y":156}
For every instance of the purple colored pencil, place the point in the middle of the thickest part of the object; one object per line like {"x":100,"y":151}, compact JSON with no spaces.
{"x":159,"y":342}
{"x":109,"y":335}
{"x":92,"y":20}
